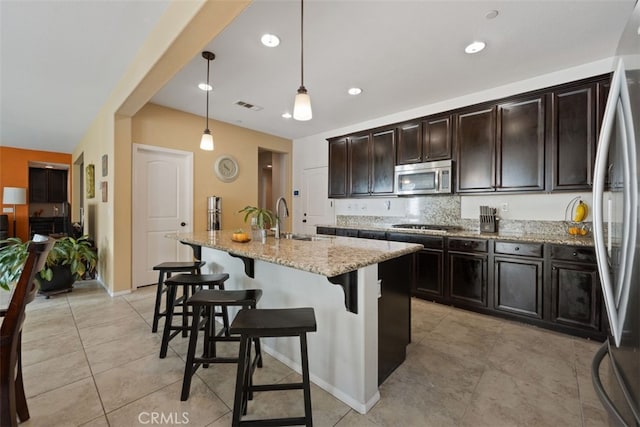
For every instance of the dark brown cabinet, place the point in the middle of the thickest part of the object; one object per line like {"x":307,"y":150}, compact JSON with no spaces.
{"x":475,"y":142}
{"x":424,"y":140}
{"x":518,"y":278}
{"x":520,"y":145}
{"x":573,"y":130}
{"x":428,"y":276}
{"x":409,"y":143}
{"x":338,"y":156}
{"x":467,"y":272}
{"x":575,"y":288}
{"x":362,"y":164}
{"x":47,"y":185}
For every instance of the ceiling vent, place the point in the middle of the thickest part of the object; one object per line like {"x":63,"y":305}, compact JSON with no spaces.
{"x":248,"y":106}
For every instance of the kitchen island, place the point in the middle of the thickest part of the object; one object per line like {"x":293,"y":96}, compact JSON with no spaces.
{"x":359,"y":289}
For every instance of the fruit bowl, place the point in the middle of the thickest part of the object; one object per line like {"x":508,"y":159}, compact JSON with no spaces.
{"x":578,"y":228}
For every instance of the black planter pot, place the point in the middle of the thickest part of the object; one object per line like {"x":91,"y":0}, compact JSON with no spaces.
{"x":62,"y":280}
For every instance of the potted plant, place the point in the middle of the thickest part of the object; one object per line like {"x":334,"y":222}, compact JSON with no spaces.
{"x":261,"y":219}
{"x":68,"y":260}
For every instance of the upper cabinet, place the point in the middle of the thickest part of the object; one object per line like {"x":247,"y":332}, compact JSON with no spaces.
{"x":338,"y":156}
{"x":501,"y":147}
{"x":424,"y":140}
{"x":362,"y":164}
{"x":476,"y":141}
{"x":47,"y":185}
{"x":520,"y":144}
{"x":572,"y":137}
{"x":544,"y":140}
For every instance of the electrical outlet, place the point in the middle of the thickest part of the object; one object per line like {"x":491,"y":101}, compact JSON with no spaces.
{"x":7,"y":210}
{"x":505,"y":207}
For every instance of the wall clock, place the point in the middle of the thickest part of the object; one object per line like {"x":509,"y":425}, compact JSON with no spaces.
{"x":226,"y":168}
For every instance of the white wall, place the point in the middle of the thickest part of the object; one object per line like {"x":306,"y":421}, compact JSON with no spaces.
{"x":312,"y":151}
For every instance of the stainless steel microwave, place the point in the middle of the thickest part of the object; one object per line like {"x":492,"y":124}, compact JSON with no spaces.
{"x":424,"y":178}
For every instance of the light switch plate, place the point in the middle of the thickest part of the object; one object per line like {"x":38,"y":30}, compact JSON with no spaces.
{"x":7,"y":210}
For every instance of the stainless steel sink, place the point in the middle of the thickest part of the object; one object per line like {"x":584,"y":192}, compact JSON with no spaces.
{"x":304,"y":237}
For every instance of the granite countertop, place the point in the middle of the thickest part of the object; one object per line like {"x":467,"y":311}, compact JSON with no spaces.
{"x":328,"y":255}
{"x":561,"y":239}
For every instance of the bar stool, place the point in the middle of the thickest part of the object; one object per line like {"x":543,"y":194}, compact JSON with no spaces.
{"x":167,"y":268}
{"x":286,"y":322}
{"x":193,"y":283}
{"x":203,"y":305}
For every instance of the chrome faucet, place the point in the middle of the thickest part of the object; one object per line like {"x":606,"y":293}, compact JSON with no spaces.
{"x":286,"y":214}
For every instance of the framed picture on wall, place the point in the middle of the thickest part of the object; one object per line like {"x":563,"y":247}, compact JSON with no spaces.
{"x":90,"y":181}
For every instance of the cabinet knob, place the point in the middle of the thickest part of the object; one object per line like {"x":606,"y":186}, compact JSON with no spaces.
{"x":575,"y":254}
{"x":182,"y":224}
{"x":554,"y":268}
{"x":517,"y":248}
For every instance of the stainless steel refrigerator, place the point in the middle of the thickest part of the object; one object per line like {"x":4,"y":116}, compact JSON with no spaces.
{"x":615,"y":223}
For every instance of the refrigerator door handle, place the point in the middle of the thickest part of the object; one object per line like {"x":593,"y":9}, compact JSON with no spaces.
{"x":618,"y":102}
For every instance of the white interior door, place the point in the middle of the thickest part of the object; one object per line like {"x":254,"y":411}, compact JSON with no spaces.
{"x":317,"y":208}
{"x":162,"y":203}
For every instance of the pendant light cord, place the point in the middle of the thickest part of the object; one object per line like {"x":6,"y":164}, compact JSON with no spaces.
{"x":302,"y":43}
{"x":209,"y":89}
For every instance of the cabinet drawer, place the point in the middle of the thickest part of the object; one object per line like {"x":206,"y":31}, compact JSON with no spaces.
{"x":372,"y":234}
{"x":326,"y":230}
{"x":573,"y":253}
{"x":519,"y":248}
{"x":429,"y":242}
{"x":468,"y":245}
{"x":347,"y":232}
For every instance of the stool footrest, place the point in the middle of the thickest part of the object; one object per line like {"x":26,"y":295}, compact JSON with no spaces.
{"x":215,"y":359}
{"x":272,"y":387}
{"x":276,"y":422}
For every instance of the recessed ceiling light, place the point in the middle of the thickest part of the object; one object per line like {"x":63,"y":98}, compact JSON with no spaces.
{"x":205,"y":87}
{"x":286,"y":115}
{"x":270,"y":40}
{"x":354,"y":91}
{"x":475,"y":47}
{"x":491,"y":14}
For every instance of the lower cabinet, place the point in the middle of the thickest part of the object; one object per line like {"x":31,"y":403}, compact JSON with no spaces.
{"x":467,"y":278}
{"x":553,"y":286}
{"x":576,"y":299}
{"x":518,"y":279}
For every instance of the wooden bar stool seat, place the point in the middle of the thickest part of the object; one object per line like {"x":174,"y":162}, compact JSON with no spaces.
{"x":190,"y":283}
{"x":203,"y":305}
{"x":286,"y":322}
{"x":166,"y":269}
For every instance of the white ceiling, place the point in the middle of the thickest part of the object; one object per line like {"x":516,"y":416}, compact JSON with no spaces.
{"x":60,"y":59}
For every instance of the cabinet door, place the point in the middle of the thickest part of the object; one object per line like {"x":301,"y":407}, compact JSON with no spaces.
{"x":359,"y":161}
{"x":520,"y":145}
{"x":468,"y":278}
{"x":37,"y":185}
{"x":57,"y":186}
{"x":575,"y":295}
{"x":573,"y":138}
{"x":429,"y":268}
{"x":409,"y":143}
{"x":383,"y":154}
{"x":475,"y":141}
{"x":338,"y":168}
{"x":436,"y":137}
{"x":518,"y":286}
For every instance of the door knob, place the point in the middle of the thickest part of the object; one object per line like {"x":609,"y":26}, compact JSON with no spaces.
{"x":182,"y":224}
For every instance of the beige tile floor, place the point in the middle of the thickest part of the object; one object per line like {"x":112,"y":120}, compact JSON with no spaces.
{"x":91,"y":360}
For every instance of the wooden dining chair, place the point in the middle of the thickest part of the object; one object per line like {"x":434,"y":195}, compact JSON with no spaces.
{"x":13,"y":402}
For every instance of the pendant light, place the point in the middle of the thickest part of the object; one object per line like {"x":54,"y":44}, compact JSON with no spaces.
{"x":302,"y":104}
{"x":206,"y":143}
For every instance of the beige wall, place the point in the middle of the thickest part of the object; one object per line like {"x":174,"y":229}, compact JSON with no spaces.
{"x":182,"y":32}
{"x":168,"y":128}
